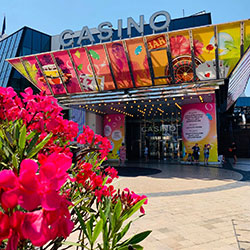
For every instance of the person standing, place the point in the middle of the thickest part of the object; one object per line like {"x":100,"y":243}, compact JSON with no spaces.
{"x":196,"y":152}
{"x":206,"y":153}
{"x":122,"y":154}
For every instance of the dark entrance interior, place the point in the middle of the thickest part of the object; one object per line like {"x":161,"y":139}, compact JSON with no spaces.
{"x":162,"y":138}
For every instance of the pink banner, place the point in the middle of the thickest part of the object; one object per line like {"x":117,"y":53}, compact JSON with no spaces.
{"x":199,"y":126}
{"x":119,"y":65}
{"x":114,"y":130}
{"x":50,"y":72}
{"x":68,"y":73}
{"x":101,"y":66}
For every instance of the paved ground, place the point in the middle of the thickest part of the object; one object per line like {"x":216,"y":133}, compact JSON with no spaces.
{"x":192,"y":207}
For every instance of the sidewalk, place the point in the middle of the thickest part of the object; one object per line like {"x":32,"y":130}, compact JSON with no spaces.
{"x":193,"y":207}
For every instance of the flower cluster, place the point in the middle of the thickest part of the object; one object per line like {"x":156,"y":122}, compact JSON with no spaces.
{"x":33,"y":207}
{"x":96,"y":181}
{"x":89,"y":138}
{"x":40,"y":113}
{"x":99,"y":185}
{"x":129,"y":199}
{"x":35,"y":187}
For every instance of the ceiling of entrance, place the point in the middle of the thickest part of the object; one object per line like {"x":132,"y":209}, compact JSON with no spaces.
{"x":155,"y":107}
{"x":170,"y":60}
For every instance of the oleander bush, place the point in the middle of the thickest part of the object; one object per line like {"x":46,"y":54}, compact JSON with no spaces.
{"x":45,"y":195}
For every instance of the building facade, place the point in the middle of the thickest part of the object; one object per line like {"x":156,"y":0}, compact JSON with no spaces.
{"x":164,"y":85}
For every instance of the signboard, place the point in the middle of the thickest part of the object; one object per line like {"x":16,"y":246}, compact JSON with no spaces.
{"x":106,"y":29}
{"x":139,"y":62}
{"x":114,"y":130}
{"x":199,"y":126}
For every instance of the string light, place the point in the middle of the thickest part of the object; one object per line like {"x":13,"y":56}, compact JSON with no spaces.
{"x":177,"y":105}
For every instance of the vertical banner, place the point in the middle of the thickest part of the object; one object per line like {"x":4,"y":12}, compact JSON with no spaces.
{"x":78,"y":116}
{"x":199,"y":126}
{"x":114,"y":130}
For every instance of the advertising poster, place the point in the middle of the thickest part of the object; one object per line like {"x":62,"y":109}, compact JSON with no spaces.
{"x":31,"y":67}
{"x":84,"y":69}
{"x":101,"y":66}
{"x":119,"y":65}
{"x":52,"y":75}
{"x":199,"y":126}
{"x":78,"y":116}
{"x":17,"y":64}
{"x":204,"y":51}
{"x":181,"y":56}
{"x":139,"y":62}
{"x":114,"y":130}
{"x":229,"y":47}
{"x":159,"y":58}
{"x":246,"y":34}
{"x":67,"y":71}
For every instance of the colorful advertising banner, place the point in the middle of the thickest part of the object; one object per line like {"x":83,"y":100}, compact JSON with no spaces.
{"x":84,"y":70}
{"x":159,"y":58}
{"x":199,"y":126}
{"x":181,"y":56}
{"x":139,"y":62}
{"x":17,"y":64}
{"x":119,"y":65}
{"x":101,"y":66}
{"x":114,"y":130}
{"x":67,"y":71}
{"x":133,"y":60}
{"x":49,"y":71}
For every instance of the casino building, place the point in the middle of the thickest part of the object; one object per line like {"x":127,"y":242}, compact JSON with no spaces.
{"x":166,"y":85}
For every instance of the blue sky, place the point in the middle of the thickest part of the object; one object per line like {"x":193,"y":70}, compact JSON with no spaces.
{"x":54,"y":16}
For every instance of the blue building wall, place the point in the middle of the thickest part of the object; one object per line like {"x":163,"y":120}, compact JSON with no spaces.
{"x":23,"y":42}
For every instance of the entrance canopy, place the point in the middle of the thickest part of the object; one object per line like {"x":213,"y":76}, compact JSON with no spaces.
{"x":180,"y":64}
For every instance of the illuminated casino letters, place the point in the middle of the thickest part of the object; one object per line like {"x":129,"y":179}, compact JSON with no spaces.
{"x":106,"y":29}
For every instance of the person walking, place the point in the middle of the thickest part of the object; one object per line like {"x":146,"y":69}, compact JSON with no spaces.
{"x":122,"y":154}
{"x":206,"y":153}
{"x":196,"y":153}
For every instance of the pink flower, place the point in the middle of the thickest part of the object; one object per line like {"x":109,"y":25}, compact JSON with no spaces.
{"x":15,"y":232}
{"x":35,"y":228}
{"x":8,"y":179}
{"x":179,"y":45}
{"x":29,"y":186}
{"x":198,"y":47}
{"x":4,"y":226}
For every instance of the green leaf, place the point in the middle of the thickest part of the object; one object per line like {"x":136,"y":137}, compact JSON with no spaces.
{"x":97,"y":230}
{"x":82,"y":223}
{"x":14,"y":161}
{"x":117,"y":212}
{"x":132,"y":210}
{"x":22,"y":137}
{"x":32,"y":143}
{"x":39,"y":146}
{"x":31,"y":134}
{"x":123,"y":232}
{"x":138,"y":247}
{"x":137,"y":238}
{"x":69,"y":243}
